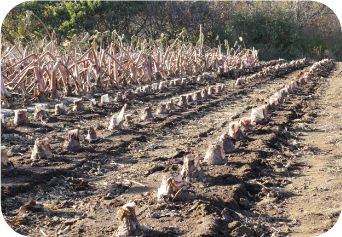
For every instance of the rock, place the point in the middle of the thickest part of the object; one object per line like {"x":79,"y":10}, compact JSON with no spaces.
{"x":104,"y":99}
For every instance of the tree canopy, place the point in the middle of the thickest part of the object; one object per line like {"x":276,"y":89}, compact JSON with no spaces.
{"x":276,"y":29}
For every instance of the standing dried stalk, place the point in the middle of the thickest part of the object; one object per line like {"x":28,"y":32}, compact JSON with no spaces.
{"x":82,"y":69}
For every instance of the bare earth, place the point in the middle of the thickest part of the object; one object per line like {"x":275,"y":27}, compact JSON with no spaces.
{"x":284,"y":178}
{"x":317,"y":188}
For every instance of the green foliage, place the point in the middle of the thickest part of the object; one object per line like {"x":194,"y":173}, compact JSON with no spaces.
{"x":272,"y":28}
{"x":276,"y":34}
{"x":67,"y":18}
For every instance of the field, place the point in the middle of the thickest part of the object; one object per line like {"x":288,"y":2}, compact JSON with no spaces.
{"x":283,"y":170}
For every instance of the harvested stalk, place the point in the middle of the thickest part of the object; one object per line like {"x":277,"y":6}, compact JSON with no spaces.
{"x":40,"y":114}
{"x":129,"y":225}
{"x":72,"y":141}
{"x":188,"y":98}
{"x":5,"y":162}
{"x":257,"y":116}
{"x":20,"y":117}
{"x":162,"y":85}
{"x":161,"y":109}
{"x":78,"y":106}
{"x":211,"y":90}
{"x":91,"y":135}
{"x":22,"y":210}
{"x":182,"y":102}
{"x":219,"y":88}
{"x":245,"y":122}
{"x":214,"y":154}
{"x":147,"y":113}
{"x":170,"y":106}
{"x":191,"y":168}
{"x":226,"y":143}
{"x":104,"y":99}
{"x":204,"y":94}
{"x":171,"y":189}
{"x":3,"y":124}
{"x":116,"y":121}
{"x":196,"y":96}
{"x":118,"y":97}
{"x":234,"y":131}
{"x":127,"y":121}
{"x":41,"y":149}
{"x":59,"y":109}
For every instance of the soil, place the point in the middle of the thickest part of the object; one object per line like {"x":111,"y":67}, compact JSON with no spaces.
{"x":284,"y":179}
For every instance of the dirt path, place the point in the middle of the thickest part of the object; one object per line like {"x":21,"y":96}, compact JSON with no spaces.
{"x":317,"y":188}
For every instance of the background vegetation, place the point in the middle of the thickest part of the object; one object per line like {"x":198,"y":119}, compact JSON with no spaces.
{"x":277,"y":29}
